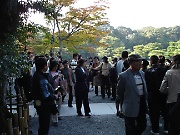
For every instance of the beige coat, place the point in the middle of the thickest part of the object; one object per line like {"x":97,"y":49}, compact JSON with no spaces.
{"x":171,"y":85}
{"x":104,"y":67}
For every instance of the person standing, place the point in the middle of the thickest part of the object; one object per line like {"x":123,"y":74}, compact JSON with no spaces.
{"x":170,"y":86}
{"x":69,"y":76}
{"x":81,"y":89}
{"x":113,"y":78}
{"x":96,"y":75}
{"x":44,"y":99}
{"x":104,"y":67}
{"x":154,"y":77}
{"x":54,"y":80}
{"x":74,"y":61}
{"x":120,"y":63}
{"x":131,"y":91}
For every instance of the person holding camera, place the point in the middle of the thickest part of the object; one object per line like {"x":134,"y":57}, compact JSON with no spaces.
{"x":54,"y":79}
{"x":43,"y":96}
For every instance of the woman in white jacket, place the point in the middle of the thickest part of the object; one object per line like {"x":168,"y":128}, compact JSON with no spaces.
{"x":171,"y":86}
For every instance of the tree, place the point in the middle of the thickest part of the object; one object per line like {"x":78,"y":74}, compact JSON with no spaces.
{"x":70,"y":20}
{"x":12,"y":61}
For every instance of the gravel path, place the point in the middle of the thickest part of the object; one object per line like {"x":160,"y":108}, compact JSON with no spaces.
{"x":96,"y":125}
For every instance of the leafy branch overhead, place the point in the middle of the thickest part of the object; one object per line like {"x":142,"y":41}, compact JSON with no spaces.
{"x":70,"y":20}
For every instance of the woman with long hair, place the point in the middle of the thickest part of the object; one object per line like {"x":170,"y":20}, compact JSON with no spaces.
{"x":171,"y":86}
{"x":81,"y":89}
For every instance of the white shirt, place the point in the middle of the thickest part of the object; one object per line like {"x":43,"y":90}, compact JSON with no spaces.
{"x":119,"y":66}
{"x":139,"y":83}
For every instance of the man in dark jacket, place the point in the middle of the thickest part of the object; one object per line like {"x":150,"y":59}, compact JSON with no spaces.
{"x":43,"y":96}
{"x":156,"y":100}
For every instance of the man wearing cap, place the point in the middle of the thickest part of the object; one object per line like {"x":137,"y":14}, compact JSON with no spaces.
{"x":131,"y":91}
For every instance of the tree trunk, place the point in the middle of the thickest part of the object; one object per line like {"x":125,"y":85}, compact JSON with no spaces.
{"x":3,"y":113}
{"x":9,"y":17}
{"x":8,"y":25}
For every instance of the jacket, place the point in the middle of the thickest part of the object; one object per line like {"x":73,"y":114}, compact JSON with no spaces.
{"x":171,"y":85}
{"x":128,"y":94}
{"x":42,"y":90}
{"x":81,"y":84}
{"x":104,"y":67}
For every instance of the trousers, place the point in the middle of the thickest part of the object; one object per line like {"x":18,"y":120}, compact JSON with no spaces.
{"x":137,"y":125}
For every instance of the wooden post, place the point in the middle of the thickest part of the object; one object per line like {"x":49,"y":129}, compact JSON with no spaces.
{"x":25,"y":121}
{"x":16,"y":121}
{"x":20,"y":112}
{"x":22,"y":125}
{"x":10,"y":128}
{"x":16,"y":131}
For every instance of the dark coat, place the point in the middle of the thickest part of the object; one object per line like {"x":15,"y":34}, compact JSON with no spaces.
{"x":81,"y":81}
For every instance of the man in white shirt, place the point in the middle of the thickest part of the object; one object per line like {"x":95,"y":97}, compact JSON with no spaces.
{"x":120,"y":64}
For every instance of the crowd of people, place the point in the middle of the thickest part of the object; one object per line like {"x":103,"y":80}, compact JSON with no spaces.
{"x":138,"y":87}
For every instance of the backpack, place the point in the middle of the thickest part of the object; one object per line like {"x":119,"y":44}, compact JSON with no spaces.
{"x":113,"y":74}
{"x":153,"y":80}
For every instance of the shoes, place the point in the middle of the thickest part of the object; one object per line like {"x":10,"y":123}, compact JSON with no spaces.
{"x":96,"y":94}
{"x":103,"y":97}
{"x":70,"y":105}
{"x":80,"y":114}
{"x":154,"y":133}
{"x":121,"y":115}
{"x":88,"y":115}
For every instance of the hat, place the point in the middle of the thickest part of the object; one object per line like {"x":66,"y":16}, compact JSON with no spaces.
{"x":135,"y":57}
{"x":105,"y":57}
{"x":64,"y":62}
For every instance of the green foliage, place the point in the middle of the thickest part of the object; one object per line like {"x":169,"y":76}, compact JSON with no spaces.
{"x":12,"y":62}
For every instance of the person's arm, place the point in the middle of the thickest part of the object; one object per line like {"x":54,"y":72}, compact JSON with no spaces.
{"x":45,"y":91}
{"x":98,"y":67}
{"x":121,"y":88}
{"x":164,"y":85}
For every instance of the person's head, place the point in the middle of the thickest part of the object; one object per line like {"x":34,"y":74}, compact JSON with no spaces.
{"x":51,"y":59}
{"x":80,"y":57}
{"x":90,"y":59}
{"x":154,"y":60}
{"x":124,"y":55}
{"x":114,"y":60}
{"x":105,"y":59}
{"x":145,"y":63}
{"x":82,"y":63}
{"x":162,"y":59}
{"x":176,"y":60}
{"x":75,"y":56}
{"x":135,"y":62}
{"x":41,"y":64}
{"x":96,"y":59}
{"x":65,"y":63}
{"x":53,"y":66}
{"x":60,"y":65}
{"x":47,"y":56}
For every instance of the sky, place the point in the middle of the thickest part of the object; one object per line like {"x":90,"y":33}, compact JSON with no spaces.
{"x":136,"y":14}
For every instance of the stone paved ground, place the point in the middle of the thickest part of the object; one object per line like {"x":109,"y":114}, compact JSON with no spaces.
{"x":96,"y":125}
